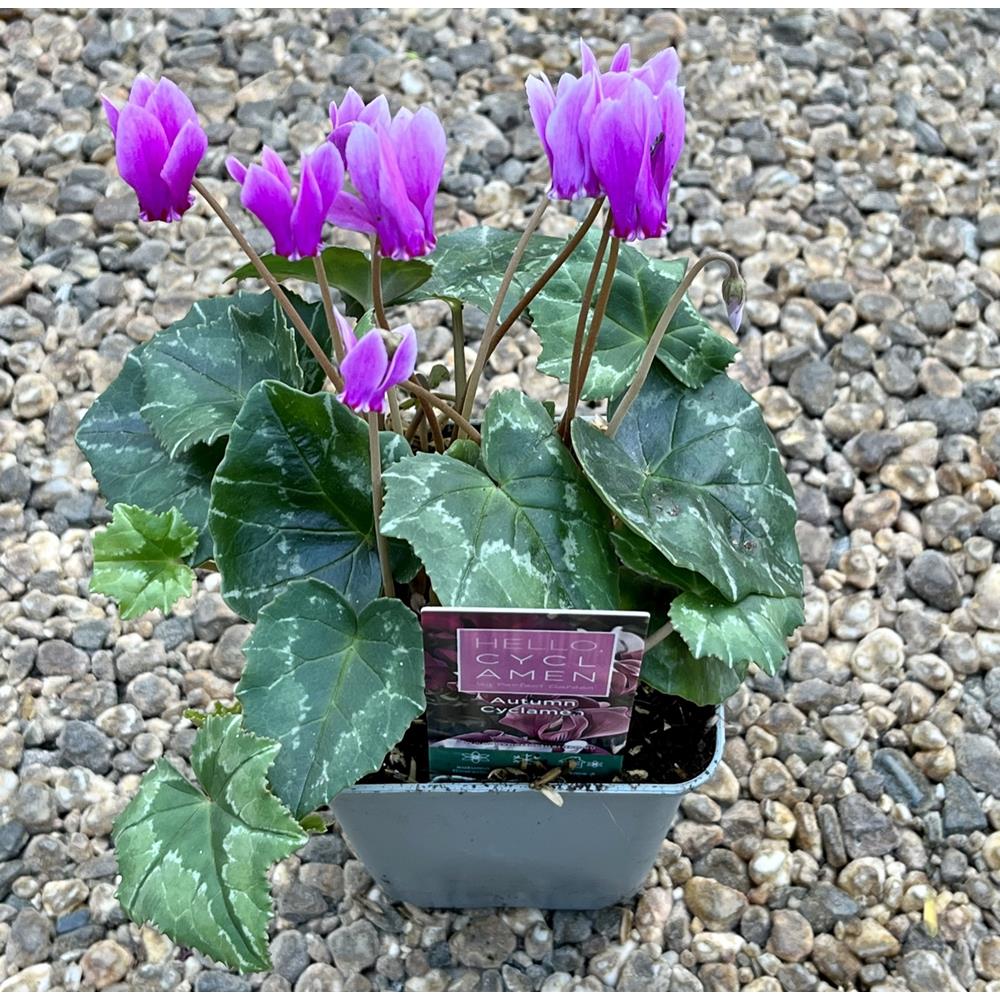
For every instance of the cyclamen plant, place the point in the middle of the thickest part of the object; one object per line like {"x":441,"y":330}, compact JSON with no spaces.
{"x":337,"y":490}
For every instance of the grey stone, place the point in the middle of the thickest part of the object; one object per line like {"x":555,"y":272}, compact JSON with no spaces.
{"x":904,"y":781}
{"x":83,"y":744}
{"x":867,"y":830}
{"x":961,"y":811}
{"x":484,"y":943}
{"x":30,"y":938}
{"x":932,"y":577}
{"x":978,"y":758}
{"x":354,"y":947}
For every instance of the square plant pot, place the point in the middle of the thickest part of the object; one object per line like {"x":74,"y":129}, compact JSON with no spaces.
{"x":458,"y":844}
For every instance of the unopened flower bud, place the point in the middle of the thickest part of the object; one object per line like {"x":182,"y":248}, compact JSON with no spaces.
{"x":734,"y":294}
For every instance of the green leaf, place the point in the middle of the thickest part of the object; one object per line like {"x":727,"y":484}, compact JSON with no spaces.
{"x":138,"y":559}
{"x":691,"y":349}
{"x":338,"y":689}
{"x":292,"y":499}
{"x":313,"y":824}
{"x":669,"y":667}
{"x":753,"y":629}
{"x":641,"y":557}
{"x":527,"y":532}
{"x":469,"y":264}
{"x":349,"y":271}
{"x":194,"y":860}
{"x":697,"y":474}
{"x":131,"y":464}
{"x":197,"y":377}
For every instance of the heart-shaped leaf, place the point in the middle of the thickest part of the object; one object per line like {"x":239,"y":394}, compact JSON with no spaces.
{"x":338,"y":689}
{"x":138,"y":559}
{"x":753,"y":629}
{"x":641,"y":557}
{"x":349,"y":271}
{"x":697,"y":474}
{"x":691,"y":349}
{"x":292,"y":499}
{"x":194,"y":860}
{"x":527,"y":532}
{"x":133,"y":467}
{"x":197,"y":377}
{"x":669,"y":667}
{"x":469,"y":265}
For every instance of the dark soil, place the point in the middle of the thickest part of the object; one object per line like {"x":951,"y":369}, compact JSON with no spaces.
{"x":670,"y":741}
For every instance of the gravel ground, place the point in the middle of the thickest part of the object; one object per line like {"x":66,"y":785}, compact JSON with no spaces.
{"x":851,"y":162}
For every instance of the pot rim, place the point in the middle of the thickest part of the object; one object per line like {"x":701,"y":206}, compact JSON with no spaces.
{"x":583,"y":788}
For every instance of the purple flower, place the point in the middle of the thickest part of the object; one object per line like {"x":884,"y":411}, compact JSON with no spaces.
{"x":618,"y":133}
{"x":352,"y":110}
{"x":396,"y":170}
{"x":294,"y":220}
{"x":158,"y":145}
{"x":368,"y":370}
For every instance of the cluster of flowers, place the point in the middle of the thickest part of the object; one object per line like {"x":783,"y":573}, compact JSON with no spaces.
{"x":616,"y":134}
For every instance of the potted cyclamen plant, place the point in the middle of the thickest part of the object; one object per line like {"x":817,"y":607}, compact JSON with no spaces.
{"x":337,"y":491}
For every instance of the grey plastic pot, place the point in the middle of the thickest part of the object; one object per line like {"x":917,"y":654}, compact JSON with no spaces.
{"x":474,"y":844}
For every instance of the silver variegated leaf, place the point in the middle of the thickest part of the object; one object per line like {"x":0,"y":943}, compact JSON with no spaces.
{"x":671,"y":668}
{"x":754,"y":628}
{"x":197,"y":377}
{"x":292,"y":499}
{"x":521,"y":530}
{"x":338,"y":689}
{"x":194,"y":859}
{"x":696,"y":473}
{"x":691,"y":349}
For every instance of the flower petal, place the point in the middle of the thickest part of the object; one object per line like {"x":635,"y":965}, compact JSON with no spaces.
{"x":622,"y":59}
{"x":345,"y":330}
{"x":421,"y":157}
{"x":349,"y":212}
{"x":308,"y":215}
{"x":182,"y":163}
{"x":328,"y":169}
{"x":660,"y":70}
{"x":112,"y":114}
{"x":268,"y":199}
{"x":363,"y":369}
{"x":588,"y":61}
{"x":569,"y":161}
{"x":404,"y":359}
{"x":141,"y":150}
{"x":171,"y":106}
{"x":541,"y":101}
{"x":142,"y":88}
{"x":275,"y":166}
{"x":237,"y":171}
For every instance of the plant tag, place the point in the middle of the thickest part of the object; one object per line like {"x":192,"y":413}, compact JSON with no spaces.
{"x":530,"y":690}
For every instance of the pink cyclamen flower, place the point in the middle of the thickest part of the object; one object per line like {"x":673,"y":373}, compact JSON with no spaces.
{"x":618,"y":133}
{"x":368,"y":371}
{"x":158,"y":147}
{"x":396,"y":170}
{"x":294,"y":219}
{"x":351,"y":110}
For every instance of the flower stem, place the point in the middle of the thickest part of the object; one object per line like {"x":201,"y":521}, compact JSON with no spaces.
{"x":458,"y":340}
{"x":649,"y":355}
{"x":276,"y":290}
{"x":508,"y":276}
{"x":327,"y":297}
{"x":375,"y":455}
{"x":546,"y":276}
{"x":397,"y":420}
{"x":581,"y":328}
{"x":435,"y":426}
{"x":426,"y":396}
{"x":377,"y":305}
{"x":658,"y":636}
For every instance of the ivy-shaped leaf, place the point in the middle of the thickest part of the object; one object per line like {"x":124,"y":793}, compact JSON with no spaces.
{"x":338,"y":689}
{"x":527,"y":532}
{"x":691,"y":349}
{"x":133,"y":467}
{"x":198,"y":377}
{"x":641,"y":557}
{"x":194,"y":860}
{"x":469,"y":265}
{"x":129,"y":461}
{"x":696,"y":473}
{"x":292,"y":499}
{"x":670,"y":667}
{"x":138,"y":559}
{"x":753,"y":629}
